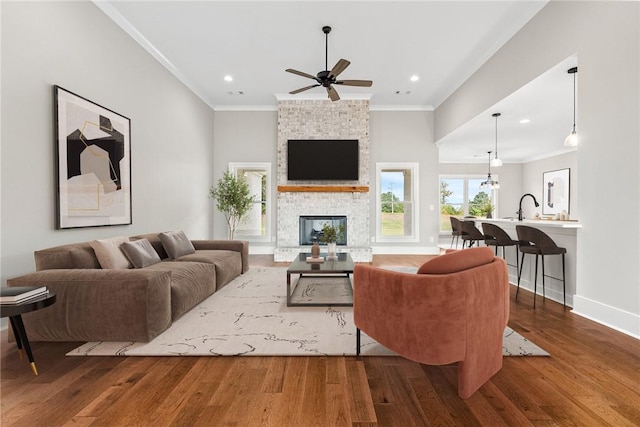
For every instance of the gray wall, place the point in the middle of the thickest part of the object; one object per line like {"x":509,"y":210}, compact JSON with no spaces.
{"x":407,"y":136}
{"x":76,"y":46}
{"x":532,"y":179}
{"x":244,"y":136}
{"x":605,"y":37}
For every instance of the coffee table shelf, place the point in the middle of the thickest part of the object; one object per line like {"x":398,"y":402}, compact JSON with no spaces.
{"x":320,"y":280}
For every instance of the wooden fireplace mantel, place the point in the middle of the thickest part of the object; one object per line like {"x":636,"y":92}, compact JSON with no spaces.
{"x":323,"y":188}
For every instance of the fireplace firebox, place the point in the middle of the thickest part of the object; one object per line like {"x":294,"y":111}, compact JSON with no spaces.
{"x":311,"y":228}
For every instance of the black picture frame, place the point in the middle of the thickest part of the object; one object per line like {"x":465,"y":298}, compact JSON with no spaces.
{"x":93,"y":163}
{"x":555,"y":191}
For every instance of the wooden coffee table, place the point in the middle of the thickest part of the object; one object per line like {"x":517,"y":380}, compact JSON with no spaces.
{"x":330,"y":273}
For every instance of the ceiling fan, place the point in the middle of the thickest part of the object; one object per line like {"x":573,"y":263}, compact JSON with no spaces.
{"x":327,"y":78}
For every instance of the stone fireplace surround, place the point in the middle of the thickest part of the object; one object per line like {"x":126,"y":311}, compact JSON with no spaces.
{"x":313,"y":119}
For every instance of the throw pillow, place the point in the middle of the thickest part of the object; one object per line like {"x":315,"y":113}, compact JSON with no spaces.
{"x":109,"y":254}
{"x":176,"y":244}
{"x":457,"y":261}
{"x":140,"y":253}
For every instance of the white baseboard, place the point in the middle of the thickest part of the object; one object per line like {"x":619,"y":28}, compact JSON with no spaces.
{"x":612,"y":317}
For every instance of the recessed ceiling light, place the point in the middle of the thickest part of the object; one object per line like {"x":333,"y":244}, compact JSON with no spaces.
{"x":525,"y":121}
{"x":414,"y":78}
{"x":228,"y":78}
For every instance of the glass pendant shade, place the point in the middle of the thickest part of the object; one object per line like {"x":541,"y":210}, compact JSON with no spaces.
{"x":490,"y":184}
{"x":571,"y":140}
{"x":496,"y":162}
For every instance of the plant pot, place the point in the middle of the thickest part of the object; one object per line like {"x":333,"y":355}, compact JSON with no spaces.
{"x":331,"y":249}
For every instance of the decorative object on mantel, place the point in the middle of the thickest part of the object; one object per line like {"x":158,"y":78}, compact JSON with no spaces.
{"x":327,"y":78}
{"x":330,"y":235}
{"x":93,"y":166}
{"x":496,"y":162}
{"x":572,"y":139}
{"x":489,"y":184}
{"x":234,"y":199}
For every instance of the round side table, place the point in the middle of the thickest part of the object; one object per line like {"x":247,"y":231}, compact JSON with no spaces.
{"x":14,"y":313}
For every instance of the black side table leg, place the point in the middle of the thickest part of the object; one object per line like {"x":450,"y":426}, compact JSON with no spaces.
{"x":17,"y":337}
{"x":21,"y":336}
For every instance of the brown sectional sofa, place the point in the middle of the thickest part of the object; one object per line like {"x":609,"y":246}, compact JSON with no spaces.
{"x":95,"y":304}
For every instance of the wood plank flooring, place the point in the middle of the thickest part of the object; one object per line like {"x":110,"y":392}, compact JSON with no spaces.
{"x":591,"y":379}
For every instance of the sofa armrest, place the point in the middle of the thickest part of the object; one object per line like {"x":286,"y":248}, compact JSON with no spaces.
{"x":100,"y":305}
{"x":241,"y":246}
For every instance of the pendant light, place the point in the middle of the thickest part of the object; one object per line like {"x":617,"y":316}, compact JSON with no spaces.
{"x":495,"y":162}
{"x":572,"y":139}
{"x":489,"y":184}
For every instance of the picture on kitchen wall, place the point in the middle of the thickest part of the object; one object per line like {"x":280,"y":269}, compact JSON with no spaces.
{"x":555,"y":192}
{"x":93,"y":148}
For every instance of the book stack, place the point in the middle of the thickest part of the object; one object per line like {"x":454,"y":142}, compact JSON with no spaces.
{"x":20,"y":294}
{"x":315,"y":260}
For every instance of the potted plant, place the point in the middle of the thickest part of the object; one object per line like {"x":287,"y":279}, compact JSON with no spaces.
{"x":234,"y":199}
{"x":330,"y":235}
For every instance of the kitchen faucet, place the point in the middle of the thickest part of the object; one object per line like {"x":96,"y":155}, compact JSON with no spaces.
{"x":520,"y":207}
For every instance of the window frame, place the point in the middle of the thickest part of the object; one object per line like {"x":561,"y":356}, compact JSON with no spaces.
{"x":414,"y":167}
{"x":465,"y":206}
{"x":257,"y":166}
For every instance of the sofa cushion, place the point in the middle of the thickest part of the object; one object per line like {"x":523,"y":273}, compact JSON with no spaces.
{"x":109,"y":254}
{"x":176,"y":243}
{"x":457,"y":261}
{"x":191,"y":282}
{"x":140,"y":253}
{"x":228,"y":263}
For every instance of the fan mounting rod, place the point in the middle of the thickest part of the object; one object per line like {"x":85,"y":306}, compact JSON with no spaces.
{"x":326,"y":30}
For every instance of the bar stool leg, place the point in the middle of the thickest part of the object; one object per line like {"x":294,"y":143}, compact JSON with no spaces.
{"x":564,"y":289}
{"x":517,"y":250}
{"x":535,"y":283}
{"x":543,"y":274}
{"x":519,"y":273}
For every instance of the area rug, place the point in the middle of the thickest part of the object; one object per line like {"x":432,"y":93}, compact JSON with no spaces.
{"x":249,"y":316}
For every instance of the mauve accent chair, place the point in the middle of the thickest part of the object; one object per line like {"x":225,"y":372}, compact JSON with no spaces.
{"x":454,"y":309}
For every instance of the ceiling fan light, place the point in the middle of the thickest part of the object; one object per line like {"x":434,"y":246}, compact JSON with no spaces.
{"x":571,"y":140}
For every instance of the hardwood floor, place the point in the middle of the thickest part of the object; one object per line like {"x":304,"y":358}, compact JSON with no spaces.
{"x":591,"y":379}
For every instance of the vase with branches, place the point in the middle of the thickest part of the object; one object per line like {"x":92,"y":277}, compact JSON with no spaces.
{"x":233,"y":198}
{"x":330,"y":235}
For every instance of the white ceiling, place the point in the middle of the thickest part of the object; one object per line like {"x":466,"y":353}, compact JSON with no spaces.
{"x":442,"y":42}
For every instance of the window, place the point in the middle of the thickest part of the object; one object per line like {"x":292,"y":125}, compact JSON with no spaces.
{"x":396,"y":202}
{"x":256,"y":224}
{"x":461,"y":196}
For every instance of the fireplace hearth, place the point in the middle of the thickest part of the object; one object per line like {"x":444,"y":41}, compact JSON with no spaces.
{"x":311,"y":228}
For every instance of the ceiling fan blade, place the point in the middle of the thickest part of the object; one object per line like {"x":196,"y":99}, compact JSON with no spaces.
{"x":333,"y":95}
{"x":363,"y":83}
{"x":302,"y":89}
{"x":340,"y":66}
{"x":300,"y":73}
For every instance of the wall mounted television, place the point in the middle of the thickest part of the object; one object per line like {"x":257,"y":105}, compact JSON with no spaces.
{"x":323,"y":159}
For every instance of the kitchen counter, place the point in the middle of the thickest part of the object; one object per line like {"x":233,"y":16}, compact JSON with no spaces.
{"x":534,"y":222}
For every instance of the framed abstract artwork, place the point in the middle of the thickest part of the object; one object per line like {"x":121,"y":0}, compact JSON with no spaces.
{"x":93,"y":150}
{"x":555,"y":192}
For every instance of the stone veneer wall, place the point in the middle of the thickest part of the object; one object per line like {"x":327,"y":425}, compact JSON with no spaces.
{"x":311,"y":119}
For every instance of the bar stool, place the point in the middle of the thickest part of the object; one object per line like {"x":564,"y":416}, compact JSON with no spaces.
{"x":536,"y":242}
{"x":496,"y":236}
{"x":470,"y":233}
{"x":456,"y":229}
